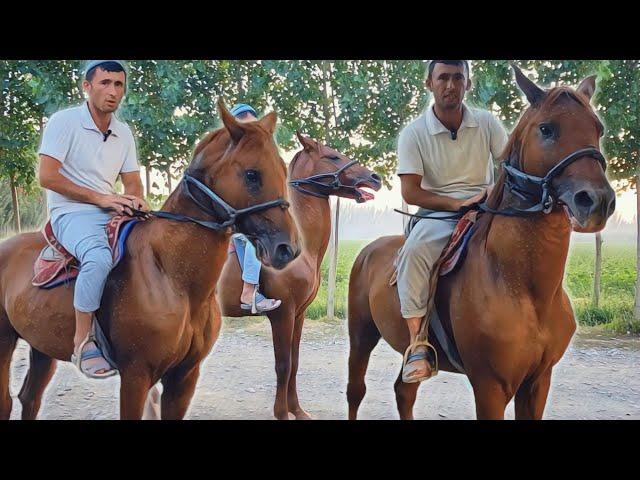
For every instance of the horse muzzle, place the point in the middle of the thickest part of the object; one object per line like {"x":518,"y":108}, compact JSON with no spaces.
{"x":275,"y":253}
{"x":587,"y":207}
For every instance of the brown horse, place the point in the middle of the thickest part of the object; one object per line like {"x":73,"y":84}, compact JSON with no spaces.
{"x":159,"y":310}
{"x":505,"y":308}
{"x":310,"y":173}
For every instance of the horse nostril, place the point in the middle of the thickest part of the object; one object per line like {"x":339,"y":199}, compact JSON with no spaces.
{"x":284,"y":253}
{"x":376,"y":177}
{"x":612,"y":205}
{"x":583,"y":200}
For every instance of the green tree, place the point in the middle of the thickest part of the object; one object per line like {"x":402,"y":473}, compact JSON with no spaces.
{"x":18,"y":132}
{"x":618,"y":97}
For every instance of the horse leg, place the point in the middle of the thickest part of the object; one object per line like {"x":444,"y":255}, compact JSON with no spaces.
{"x":282,"y":331}
{"x":491,"y":399}
{"x":134,"y":388}
{"x":531,"y":397}
{"x":363,"y":337}
{"x":405,"y":397}
{"x":8,"y":339}
{"x":41,"y":369}
{"x":292,"y":392}
{"x":152,"y":404}
{"x":178,"y":389}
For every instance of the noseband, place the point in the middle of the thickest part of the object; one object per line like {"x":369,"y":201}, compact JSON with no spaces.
{"x":538,"y":190}
{"x":332,"y":186}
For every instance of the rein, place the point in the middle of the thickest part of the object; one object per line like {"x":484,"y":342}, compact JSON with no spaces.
{"x":537,"y":191}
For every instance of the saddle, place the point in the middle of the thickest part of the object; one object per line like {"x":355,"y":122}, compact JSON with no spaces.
{"x":55,"y":265}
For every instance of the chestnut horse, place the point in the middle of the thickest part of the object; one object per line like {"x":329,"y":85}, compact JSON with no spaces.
{"x":158,"y":310}
{"x":505,"y":308}
{"x":315,"y":173}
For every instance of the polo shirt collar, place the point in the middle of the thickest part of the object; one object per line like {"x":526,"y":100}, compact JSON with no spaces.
{"x":435,"y":126}
{"x":87,"y":121}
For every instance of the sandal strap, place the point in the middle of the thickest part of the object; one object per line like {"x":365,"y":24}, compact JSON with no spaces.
{"x":91,"y":354}
{"x":417,"y":356}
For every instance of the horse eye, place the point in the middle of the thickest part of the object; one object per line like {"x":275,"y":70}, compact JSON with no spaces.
{"x":334,"y":158}
{"x":547,"y":130}
{"x":252,"y":176}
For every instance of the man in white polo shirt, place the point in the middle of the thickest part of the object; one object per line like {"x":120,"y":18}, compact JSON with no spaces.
{"x":84,"y":149}
{"x":445,"y":161}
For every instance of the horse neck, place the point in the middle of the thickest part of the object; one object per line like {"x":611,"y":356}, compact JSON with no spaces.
{"x":313,"y":216}
{"x":530,"y":253}
{"x":183,"y":248}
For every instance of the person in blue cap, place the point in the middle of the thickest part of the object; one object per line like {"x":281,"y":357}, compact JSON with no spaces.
{"x":250,"y":299}
{"x":244,"y":112}
{"x":84,"y":150}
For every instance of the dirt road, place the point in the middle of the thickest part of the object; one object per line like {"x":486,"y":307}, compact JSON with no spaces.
{"x":598,"y":378}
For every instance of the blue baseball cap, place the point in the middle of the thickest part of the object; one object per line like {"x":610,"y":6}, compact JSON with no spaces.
{"x":242,"y":108}
{"x":94,"y":63}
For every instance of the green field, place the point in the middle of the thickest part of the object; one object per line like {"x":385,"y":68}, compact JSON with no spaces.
{"x":616,"y":297}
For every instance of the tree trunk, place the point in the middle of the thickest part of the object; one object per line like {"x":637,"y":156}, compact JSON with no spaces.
{"x":16,"y":206}
{"x":636,"y":310}
{"x":333,"y":242}
{"x":169,"y":180}
{"x":333,"y":262}
{"x":405,"y":218}
{"x":239,"y":81}
{"x":598,"y":271}
{"x":147,"y":172}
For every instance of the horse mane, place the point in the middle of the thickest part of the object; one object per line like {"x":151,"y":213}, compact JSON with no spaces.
{"x":293,"y":161}
{"x":208,"y":138}
{"x":513,"y":149}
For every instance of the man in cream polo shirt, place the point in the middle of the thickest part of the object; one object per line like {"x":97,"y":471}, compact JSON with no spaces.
{"x":84,"y":149}
{"x":445,"y":161}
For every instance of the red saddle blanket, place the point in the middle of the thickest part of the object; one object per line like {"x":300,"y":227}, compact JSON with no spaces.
{"x":55,"y":265}
{"x":455,"y":250}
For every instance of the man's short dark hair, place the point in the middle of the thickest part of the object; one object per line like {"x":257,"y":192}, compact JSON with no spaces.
{"x":460,"y":63}
{"x":107,"y":67}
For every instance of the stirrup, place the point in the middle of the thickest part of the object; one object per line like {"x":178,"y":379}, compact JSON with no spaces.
{"x":432,"y":361}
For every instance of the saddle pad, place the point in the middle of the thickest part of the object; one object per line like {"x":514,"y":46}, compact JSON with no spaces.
{"x":55,"y":265}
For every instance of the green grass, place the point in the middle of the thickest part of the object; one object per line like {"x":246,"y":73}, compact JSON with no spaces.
{"x":347,"y":253}
{"x":615,"y":312}
{"x":617,"y":286}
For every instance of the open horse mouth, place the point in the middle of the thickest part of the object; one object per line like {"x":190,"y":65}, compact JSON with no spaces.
{"x":363,"y":195}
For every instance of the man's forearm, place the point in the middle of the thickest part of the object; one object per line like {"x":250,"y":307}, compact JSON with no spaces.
{"x":62,"y":185}
{"x":432,"y":201}
{"x":134,"y":188}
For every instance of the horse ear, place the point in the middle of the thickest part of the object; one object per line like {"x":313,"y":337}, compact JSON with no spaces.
{"x":269,"y":122}
{"x":230,"y":123}
{"x":308,"y":144}
{"x":533,"y":92}
{"x":588,"y":86}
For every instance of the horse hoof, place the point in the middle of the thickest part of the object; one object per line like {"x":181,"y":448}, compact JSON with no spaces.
{"x":302,"y":415}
